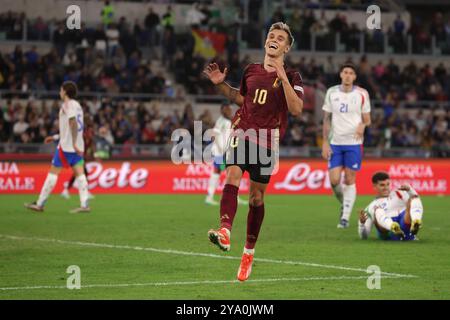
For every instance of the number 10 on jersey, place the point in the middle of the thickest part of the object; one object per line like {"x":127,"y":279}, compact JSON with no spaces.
{"x":260,"y":96}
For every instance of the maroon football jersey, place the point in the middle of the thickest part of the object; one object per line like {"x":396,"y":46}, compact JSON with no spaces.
{"x":265,"y":105}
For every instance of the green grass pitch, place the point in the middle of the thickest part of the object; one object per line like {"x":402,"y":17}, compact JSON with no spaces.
{"x":156,"y":247}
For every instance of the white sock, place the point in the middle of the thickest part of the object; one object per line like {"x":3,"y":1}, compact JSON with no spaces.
{"x":47,"y":188}
{"x":337,"y":189}
{"x":83,"y":190}
{"x":416,"y":209}
{"x":349,"y":197}
{"x":212,"y":184}
{"x":383,"y":220}
{"x":364,"y":229}
{"x":249,"y":251}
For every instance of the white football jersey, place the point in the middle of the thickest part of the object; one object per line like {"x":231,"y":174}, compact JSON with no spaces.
{"x":392,"y":205}
{"x":346,"y":109}
{"x":222,"y":130}
{"x":70,"y":109}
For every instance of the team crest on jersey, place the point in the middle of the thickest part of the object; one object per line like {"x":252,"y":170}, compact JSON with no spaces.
{"x":276,"y":83}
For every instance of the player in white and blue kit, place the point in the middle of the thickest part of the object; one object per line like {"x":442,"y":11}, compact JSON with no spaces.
{"x":69,"y":152}
{"x":346,"y":115}
{"x":396,"y":214}
{"x":222,"y":130}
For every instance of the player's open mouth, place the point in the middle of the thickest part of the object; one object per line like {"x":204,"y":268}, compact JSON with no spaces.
{"x":273,"y":46}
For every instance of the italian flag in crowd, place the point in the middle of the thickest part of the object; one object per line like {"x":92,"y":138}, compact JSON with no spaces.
{"x":208,"y":44}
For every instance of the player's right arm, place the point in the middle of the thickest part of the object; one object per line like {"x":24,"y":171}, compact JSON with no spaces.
{"x":217,"y":77}
{"x":51,"y":139}
{"x":326,"y":127}
{"x":365,"y":223}
{"x":409,"y":190}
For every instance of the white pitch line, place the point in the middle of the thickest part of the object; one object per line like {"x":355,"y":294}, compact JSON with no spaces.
{"x":198,"y":254}
{"x":184,"y":283}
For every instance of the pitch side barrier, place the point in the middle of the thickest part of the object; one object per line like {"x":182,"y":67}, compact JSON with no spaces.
{"x":294,"y":176}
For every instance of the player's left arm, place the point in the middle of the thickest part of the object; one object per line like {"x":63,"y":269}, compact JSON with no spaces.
{"x":294,"y":102}
{"x":73,"y":125}
{"x":365,"y":117}
{"x":410,"y":190}
{"x":365,"y":122}
{"x":364,"y":224}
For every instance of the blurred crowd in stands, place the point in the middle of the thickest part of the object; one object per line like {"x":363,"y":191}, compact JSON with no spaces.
{"x":116,"y":56}
{"x":126,"y":122}
{"x":304,"y":23}
{"x":427,"y":131}
{"x":133,"y":122}
{"x":110,"y":57}
{"x":304,"y":20}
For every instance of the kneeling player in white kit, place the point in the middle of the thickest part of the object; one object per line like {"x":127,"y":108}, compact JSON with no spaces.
{"x":396,"y":214}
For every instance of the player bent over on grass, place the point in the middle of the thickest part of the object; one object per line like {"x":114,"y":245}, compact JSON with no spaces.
{"x":396,"y":214}
{"x":69,"y":152}
{"x":267,"y":92}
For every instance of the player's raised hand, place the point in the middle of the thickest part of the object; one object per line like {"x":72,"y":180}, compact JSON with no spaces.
{"x":212,"y":71}
{"x":281,"y":73}
{"x":404,"y":187}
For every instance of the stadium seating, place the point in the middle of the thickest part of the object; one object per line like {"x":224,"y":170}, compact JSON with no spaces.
{"x":144,"y":84}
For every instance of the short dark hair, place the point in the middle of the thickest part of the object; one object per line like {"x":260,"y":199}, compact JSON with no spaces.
{"x":70,"y":88}
{"x":380,"y":176}
{"x":348,"y":65}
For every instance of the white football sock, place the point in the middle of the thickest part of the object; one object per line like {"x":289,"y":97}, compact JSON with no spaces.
{"x":337,"y":189}
{"x":416,"y":209}
{"x":83,"y":190}
{"x":349,"y":197}
{"x":364,"y":228}
{"x":47,"y":188}
{"x":212,"y":184}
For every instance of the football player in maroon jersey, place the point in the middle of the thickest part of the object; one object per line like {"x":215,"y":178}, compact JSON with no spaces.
{"x":267,"y":93}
